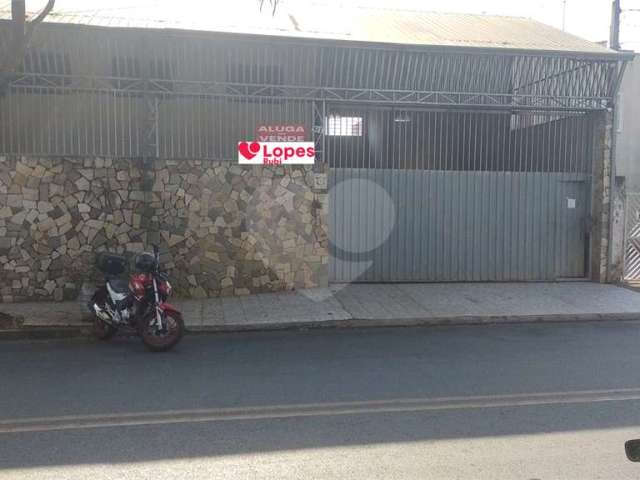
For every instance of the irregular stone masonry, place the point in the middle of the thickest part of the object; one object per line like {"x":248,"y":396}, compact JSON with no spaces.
{"x":223,"y":229}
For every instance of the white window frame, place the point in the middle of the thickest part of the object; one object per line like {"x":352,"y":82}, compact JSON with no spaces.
{"x":343,"y":126}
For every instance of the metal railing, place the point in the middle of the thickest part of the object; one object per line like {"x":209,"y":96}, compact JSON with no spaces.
{"x":397,"y":138}
{"x":130,"y":92}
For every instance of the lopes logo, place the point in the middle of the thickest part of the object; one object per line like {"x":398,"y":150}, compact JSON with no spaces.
{"x":276,"y":153}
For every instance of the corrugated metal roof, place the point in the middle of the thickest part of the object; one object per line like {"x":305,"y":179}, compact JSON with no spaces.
{"x":321,"y":22}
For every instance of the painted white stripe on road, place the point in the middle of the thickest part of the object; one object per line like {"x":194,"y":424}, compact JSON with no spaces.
{"x":75,"y":422}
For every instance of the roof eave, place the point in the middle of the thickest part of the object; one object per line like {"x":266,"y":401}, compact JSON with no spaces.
{"x":610,"y":55}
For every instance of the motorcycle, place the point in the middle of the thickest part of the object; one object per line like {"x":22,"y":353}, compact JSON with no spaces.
{"x":139,"y":305}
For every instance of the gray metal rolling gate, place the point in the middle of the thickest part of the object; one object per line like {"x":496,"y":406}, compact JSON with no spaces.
{"x":452,"y":196}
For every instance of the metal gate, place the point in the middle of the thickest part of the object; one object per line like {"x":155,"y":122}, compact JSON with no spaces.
{"x":632,"y":239}
{"x":454,"y":196}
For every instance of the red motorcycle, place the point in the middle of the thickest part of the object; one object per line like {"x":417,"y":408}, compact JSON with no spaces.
{"x":139,"y":305}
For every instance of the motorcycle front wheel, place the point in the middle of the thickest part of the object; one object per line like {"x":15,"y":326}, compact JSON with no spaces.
{"x":165,"y":339}
{"x":102,"y":330}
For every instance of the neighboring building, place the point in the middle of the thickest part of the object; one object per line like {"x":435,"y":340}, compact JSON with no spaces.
{"x":628,"y":131}
{"x":450,"y":148}
{"x":627,"y":170}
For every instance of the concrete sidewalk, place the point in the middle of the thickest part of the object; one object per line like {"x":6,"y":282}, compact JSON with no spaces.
{"x":365,"y":305}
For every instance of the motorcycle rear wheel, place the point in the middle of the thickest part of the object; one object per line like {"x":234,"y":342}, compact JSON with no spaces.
{"x":157,"y":341}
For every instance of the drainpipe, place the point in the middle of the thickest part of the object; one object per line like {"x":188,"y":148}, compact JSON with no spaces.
{"x":19,"y":17}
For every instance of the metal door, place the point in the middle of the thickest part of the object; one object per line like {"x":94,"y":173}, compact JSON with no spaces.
{"x":571,"y":250}
{"x":456,"y":197}
{"x":426,"y":226}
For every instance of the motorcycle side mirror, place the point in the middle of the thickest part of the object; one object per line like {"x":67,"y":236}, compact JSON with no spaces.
{"x":632,"y":449}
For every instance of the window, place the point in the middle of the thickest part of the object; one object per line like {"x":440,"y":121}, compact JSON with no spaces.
{"x":125,"y":67}
{"x":522,"y":121}
{"x":161,"y":71}
{"x":45,"y":63}
{"x":338,"y":126}
{"x":255,"y":73}
{"x":126,"y":72}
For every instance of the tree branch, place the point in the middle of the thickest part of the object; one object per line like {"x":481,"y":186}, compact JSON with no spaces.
{"x":45,"y":11}
{"x":274,"y":4}
{"x":18,"y":45}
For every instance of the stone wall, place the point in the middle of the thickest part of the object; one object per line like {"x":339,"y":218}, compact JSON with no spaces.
{"x":223,"y":229}
{"x":601,"y":197}
{"x":617,"y":243}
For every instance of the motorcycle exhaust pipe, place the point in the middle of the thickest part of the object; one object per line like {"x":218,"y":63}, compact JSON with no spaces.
{"x":102,"y":314}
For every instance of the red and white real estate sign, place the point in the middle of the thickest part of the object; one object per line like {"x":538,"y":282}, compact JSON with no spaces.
{"x":289,"y":132}
{"x":276,"y":153}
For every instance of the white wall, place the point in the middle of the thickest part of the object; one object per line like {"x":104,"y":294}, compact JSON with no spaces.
{"x":628,"y":146}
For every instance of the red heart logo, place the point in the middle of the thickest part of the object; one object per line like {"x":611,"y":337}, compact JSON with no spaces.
{"x":249,"y":150}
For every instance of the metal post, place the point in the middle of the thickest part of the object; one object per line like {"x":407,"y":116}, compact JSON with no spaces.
{"x":18,"y":15}
{"x":150,"y":142}
{"x":14,"y":49}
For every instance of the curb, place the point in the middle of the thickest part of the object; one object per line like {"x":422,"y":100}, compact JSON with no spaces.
{"x":84,"y":331}
{"x":421,"y":322}
{"x":46,"y":333}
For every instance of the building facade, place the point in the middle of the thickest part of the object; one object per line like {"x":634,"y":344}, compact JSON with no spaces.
{"x":626,"y":193}
{"x":462,"y":160}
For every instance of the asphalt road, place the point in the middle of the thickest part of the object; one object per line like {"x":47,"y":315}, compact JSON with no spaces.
{"x":486,"y":402}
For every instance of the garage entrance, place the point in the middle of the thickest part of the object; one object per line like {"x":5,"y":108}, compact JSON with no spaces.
{"x":448,"y":196}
